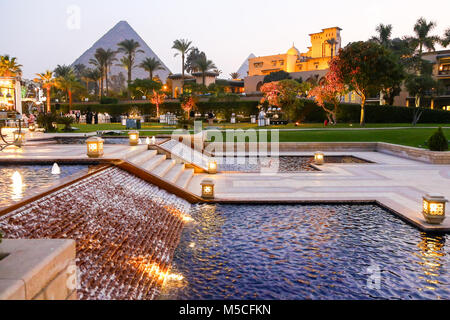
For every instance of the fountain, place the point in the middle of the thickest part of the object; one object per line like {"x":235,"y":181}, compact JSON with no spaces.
{"x":17,"y":185}
{"x":56,"y":169}
{"x":147,"y":141}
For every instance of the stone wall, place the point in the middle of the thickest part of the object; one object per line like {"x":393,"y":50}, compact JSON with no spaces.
{"x":38,"y":270}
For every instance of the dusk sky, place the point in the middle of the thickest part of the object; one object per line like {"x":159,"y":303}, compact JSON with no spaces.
{"x":41,"y":34}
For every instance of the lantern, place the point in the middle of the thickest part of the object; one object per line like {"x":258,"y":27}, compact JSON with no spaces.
{"x":319,"y":158}
{"x":212,"y":167}
{"x":19,"y":137}
{"x":434,"y":208}
{"x":31,"y":127}
{"x":94,"y":147}
{"x":207,"y":189}
{"x":133,"y":137}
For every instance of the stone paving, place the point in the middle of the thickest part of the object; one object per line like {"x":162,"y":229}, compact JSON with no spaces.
{"x":397,"y":183}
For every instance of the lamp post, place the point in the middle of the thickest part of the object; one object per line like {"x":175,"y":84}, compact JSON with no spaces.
{"x":434,"y":208}
{"x":94,"y":147}
{"x":207,"y":189}
{"x":319,"y":158}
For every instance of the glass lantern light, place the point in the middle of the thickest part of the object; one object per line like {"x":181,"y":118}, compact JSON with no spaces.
{"x":207,"y":189}
{"x":133,"y":137}
{"x":212,"y":167}
{"x":19,"y":137}
{"x":94,"y":147}
{"x":319,"y":158}
{"x":434,"y":208}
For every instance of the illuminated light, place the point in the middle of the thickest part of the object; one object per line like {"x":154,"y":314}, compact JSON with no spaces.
{"x":192,"y":245}
{"x":212,"y":167}
{"x":56,"y":169}
{"x":174,"y":277}
{"x":133,"y":137}
{"x":433,"y":208}
{"x":19,"y":138}
{"x":94,"y":147}
{"x":319,"y":158}
{"x":187,"y":219}
{"x":17,"y":185}
{"x":207,"y":189}
{"x":297,"y":124}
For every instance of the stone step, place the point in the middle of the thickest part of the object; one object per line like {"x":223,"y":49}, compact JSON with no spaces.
{"x":142,"y":157}
{"x":184,"y":179}
{"x":153,"y":162}
{"x":164,"y":167}
{"x":173,"y":174}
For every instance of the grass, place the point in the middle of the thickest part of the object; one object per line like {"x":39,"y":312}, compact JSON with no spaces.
{"x":409,"y":136}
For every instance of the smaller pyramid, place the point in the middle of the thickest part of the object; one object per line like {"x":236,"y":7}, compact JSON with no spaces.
{"x":243,"y":70}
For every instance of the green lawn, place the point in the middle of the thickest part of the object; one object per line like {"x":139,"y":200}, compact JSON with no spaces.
{"x":410,"y":136}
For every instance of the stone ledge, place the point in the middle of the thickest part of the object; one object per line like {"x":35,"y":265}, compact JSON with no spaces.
{"x":35,"y":266}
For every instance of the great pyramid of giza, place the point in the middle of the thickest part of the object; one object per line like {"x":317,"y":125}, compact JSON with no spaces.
{"x":118,"y":33}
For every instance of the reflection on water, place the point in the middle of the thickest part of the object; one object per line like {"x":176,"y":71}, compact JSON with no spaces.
{"x":16,"y":180}
{"x":306,"y":252}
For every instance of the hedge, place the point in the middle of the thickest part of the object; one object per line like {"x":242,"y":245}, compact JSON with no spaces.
{"x":308,"y":112}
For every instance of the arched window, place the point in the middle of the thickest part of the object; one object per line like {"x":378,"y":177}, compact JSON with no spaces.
{"x":258,"y":86}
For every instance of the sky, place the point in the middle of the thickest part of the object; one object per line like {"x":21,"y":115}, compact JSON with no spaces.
{"x":42,"y":34}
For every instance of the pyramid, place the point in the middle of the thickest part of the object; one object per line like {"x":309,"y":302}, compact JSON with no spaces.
{"x":243,"y":70}
{"x":118,"y":33}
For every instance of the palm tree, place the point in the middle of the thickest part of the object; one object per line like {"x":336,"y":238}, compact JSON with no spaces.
{"x":79,"y":70}
{"x":422,"y":39}
{"x":47,"y":82}
{"x":129,"y":48}
{"x":99,"y":61}
{"x":94,"y":75}
{"x":446,"y":40}
{"x":151,"y":65}
{"x":204,"y":65}
{"x":63,"y":71}
{"x":384,"y":35}
{"x":68,"y":83}
{"x":332,"y":42}
{"x":235,"y":75}
{"x":9,"y":67}
{"x":109,"y":58}
{"x":183,"y":47}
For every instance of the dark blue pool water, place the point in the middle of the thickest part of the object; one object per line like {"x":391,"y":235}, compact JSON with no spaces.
{"x":307,"y":252}
{"x":33,"y":178}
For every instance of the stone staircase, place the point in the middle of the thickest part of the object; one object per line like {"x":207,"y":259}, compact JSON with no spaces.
{"x":168,"y":169}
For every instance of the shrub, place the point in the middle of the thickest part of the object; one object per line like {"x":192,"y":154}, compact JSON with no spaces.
{"x":46,"y":120}
{"x":109,"y":100}
{"x":67,"y":122}
{"x":438,"y":141}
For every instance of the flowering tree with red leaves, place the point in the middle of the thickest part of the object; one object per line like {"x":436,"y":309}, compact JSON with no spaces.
{"x":366,"y":68}
{"x":271,"y":93}
{"x":330,"y":91}
{"x":188,"y":104}
{"x":157,"y":98}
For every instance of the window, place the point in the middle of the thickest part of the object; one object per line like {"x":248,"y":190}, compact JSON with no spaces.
{"x":258,"y":65}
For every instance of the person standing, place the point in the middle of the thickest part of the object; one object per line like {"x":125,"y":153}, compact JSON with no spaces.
{"x":96,"y":118}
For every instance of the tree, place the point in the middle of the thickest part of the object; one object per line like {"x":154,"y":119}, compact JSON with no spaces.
{"x":63,"y":71}
{"x":183,"y":47}
{"x":284,"y":94}
{"x":188,"y":103}
{"x":145,"y":87}
{"x":276,"y":76}
{"x":192,"y":57}
{"x":422,"y":38}
{"x":99,"y":62}
{"x":235,"y":75}
{"x":9,"y":67}
{"x":204,"y":65}
{"x":445,"y":41}
{"x":384,"y":35}
{"x":95,"y":76}
{"x":332,"y":43}
{"x":151,"y":65}
{"x":366,"y":68}
{"x":419,"y":85}
{"x":68,"y":83}
{"x":157,"y":98}
{"x":47,"y":82}
{"x":109,"y":58}
{"x":79,"y":70}
{"x":330,"y":91}
{"x":129,"y":48}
